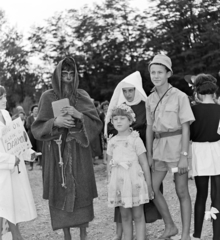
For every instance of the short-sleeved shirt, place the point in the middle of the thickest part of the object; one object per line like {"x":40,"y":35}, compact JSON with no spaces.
{"x":170,"y":114}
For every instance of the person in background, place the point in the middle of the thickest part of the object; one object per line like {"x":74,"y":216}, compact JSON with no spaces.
{"x":68,"y":174}
{"x":22,"y":115}
{"x":98,"y":107}
{"x":96,"y":144}
{"x":104,"y":109}
{"x":29,"y":122}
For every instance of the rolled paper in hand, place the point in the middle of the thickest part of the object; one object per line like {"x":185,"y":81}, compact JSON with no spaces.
{"x":176,"y":169}
{"x":38,"y":154}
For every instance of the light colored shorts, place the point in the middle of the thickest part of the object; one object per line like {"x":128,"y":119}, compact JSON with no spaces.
{"x":165,"y":166}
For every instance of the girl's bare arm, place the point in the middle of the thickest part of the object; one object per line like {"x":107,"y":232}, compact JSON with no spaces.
{"x":146,"y":169}
{"x":149,"y":140}
{"x":109,"y":158}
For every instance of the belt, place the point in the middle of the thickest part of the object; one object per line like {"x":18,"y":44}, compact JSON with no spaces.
{"x":158,"y":135}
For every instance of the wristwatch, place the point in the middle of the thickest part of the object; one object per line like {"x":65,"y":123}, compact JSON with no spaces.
{"x":184,"y":153}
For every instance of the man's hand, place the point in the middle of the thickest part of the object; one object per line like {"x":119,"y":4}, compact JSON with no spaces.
{"x":73,"y":112}
{"x":183,"y":165}
{"x":64,"y":121}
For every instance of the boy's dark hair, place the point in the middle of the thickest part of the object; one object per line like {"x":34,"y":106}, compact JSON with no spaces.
{"x":205,"y":84}
{"x":2,"y":91}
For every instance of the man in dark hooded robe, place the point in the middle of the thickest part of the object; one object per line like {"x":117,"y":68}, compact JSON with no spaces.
{"x":68,"y":175}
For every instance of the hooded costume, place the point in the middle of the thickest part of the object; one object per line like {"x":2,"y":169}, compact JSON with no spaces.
{"x":68,"y":175}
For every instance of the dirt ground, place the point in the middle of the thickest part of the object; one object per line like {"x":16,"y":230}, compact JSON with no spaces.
{"x":102,"y":227}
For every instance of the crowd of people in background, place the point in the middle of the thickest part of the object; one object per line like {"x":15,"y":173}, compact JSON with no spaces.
{"x":139,"y":138}
{"x":27,"y":120}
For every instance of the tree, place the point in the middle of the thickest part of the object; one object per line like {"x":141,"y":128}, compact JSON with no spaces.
{"x":188,"y":32}
{"x":15,"y":74}
{"x":112,"y":40}
{"x":107,"y":42}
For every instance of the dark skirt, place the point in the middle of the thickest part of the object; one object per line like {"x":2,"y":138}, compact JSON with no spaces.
{"x":78,"y":218}
{"x":96,"y":146}
{"x":150,"y":212}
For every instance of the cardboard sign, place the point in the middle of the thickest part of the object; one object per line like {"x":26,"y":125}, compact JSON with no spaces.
{"x":14,"y":138}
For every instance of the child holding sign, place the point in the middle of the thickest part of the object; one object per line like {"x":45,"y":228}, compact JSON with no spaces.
{"x":16,"y":200}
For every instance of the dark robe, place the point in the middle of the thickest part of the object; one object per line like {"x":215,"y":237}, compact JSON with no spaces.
{"x":71,"y":195}
{"x":140,"y":124}
{"x":29,"y":122}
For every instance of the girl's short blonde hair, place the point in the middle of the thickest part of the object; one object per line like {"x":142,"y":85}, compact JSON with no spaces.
{"x":124,"y":110}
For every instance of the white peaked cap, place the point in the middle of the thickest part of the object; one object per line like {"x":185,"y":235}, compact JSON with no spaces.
{"x":132,"y":80}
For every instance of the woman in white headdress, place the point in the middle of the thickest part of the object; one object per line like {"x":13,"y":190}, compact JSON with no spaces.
{"x":131,"y":92}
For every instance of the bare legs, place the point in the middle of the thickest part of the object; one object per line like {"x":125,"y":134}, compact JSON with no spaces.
{"x":83,"y":233}
{"x":126,"y":215}
{"x":159,"y":201}
{"x":16,"y":235}
{"x":139,"y":220}
{"x":181,"y":183}
{"x":67,"y":234}
{"x":119,"y":231}
{"x":104,"y":157}
{"x":136,"y":214}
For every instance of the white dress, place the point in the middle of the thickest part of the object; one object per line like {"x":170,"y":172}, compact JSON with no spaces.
{"x":16,"y":199}
{"x":127,"y":186}
{"x":206,"y":158}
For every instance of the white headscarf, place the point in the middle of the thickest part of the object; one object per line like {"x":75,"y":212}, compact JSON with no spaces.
{"x":133,"y":80}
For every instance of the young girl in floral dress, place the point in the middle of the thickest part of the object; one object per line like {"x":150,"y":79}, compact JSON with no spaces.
{"x":129,"y":175}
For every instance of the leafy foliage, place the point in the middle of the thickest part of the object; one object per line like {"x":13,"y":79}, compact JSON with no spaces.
{"x":14,"y":72}
{"x":110,"y":41}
